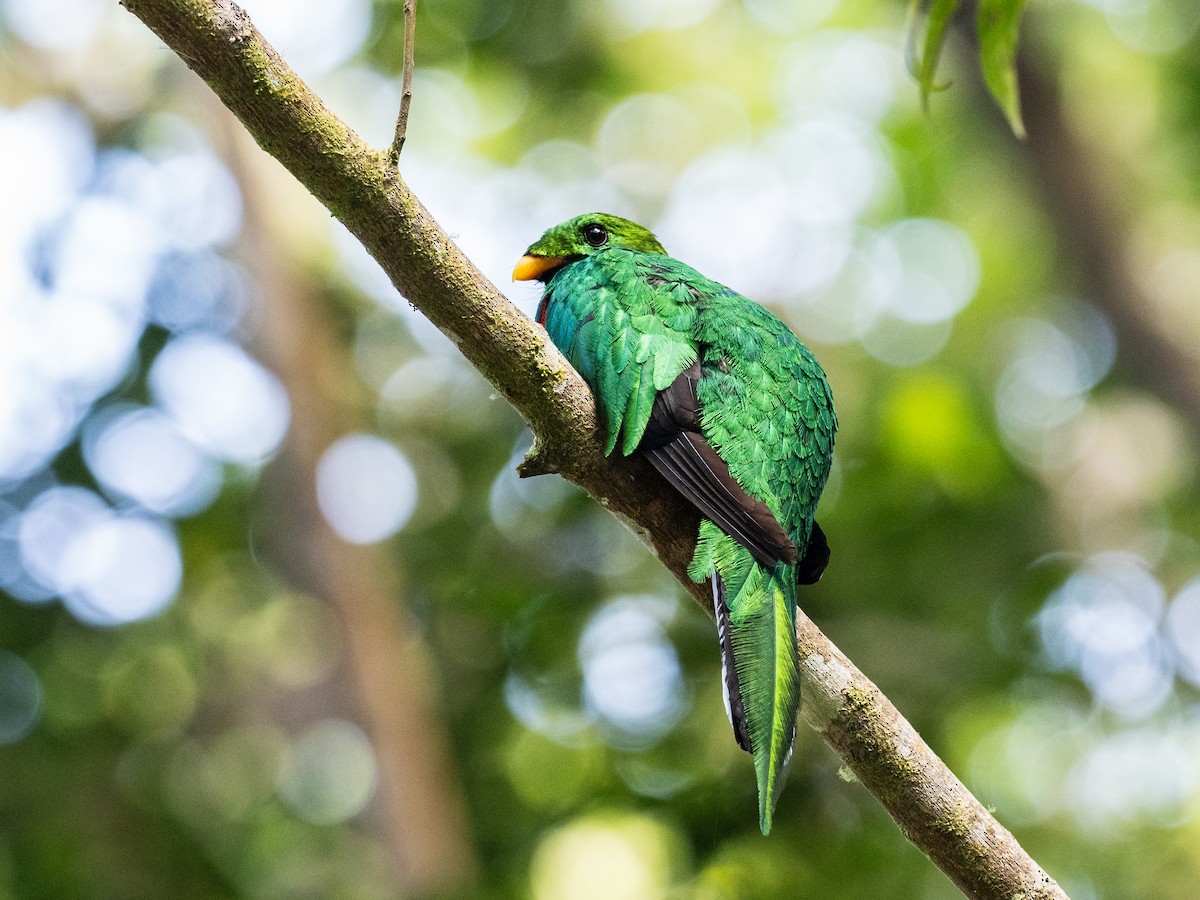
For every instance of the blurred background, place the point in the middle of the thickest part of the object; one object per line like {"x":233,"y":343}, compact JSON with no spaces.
{"x":278,"y":619}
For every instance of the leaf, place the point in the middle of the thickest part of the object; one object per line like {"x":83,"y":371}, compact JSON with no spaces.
{"x":998,"y":27}
{"x":924,"y":68}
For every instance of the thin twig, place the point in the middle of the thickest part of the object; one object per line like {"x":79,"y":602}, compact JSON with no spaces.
{"x":218,"y":41}
{"x":410,"y":30}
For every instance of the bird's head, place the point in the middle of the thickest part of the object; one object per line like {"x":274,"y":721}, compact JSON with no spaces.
{"x":585,"y":235}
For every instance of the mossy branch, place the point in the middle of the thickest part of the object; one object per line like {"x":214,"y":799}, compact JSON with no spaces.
{"x":356,"y":183}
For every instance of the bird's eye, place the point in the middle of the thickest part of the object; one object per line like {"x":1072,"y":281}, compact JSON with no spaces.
{"x":594,"y":234}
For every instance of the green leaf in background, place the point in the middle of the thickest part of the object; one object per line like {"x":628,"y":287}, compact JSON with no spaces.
{"x":998,"y":25}
{"x":925,"y":68}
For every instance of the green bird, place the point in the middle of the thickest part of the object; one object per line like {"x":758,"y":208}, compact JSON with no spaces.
{"x":736,"y":413}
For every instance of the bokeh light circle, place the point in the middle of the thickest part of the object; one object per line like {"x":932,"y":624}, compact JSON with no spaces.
{"x":366,"y":488}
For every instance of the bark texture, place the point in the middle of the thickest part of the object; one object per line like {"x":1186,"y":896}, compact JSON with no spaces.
{"x":354,"y":181}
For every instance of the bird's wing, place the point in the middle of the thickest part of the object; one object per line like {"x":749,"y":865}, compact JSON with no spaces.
{"x":625,"y":333}
{"x":676,"y":448}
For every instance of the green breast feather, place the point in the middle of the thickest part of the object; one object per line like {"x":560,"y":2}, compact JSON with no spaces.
{"x":736,"y":413}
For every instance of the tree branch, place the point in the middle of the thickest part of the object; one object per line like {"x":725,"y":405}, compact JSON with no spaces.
{"x":410,"y":31}
{"x":216,"y":39}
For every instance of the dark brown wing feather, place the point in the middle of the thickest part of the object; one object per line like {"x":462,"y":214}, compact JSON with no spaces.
{"x":676,"y":448}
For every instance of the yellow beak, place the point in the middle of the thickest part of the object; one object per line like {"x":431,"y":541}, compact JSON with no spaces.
{"x":530,"y":267}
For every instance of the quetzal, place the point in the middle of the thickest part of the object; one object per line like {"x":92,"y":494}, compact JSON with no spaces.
{"x":736,"y":413}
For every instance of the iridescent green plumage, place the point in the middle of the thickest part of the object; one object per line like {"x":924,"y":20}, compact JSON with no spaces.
{"x":736,"y":413}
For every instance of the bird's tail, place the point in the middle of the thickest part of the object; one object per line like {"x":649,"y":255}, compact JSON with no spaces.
{"x":756,"y":623}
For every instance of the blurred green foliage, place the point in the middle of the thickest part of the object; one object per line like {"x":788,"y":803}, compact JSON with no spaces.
{"x":1013,"y":511}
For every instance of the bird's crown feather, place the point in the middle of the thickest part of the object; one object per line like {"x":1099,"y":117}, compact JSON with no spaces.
{"x":594,"y":233}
